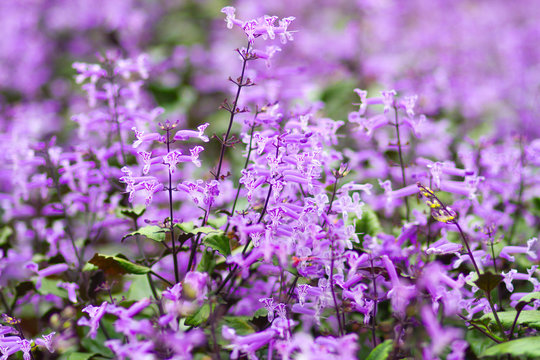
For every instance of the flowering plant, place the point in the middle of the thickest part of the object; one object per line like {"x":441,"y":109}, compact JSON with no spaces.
{"x":144,"y":217}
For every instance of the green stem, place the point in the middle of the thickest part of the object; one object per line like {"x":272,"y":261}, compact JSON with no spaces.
{"x":401,"y":163}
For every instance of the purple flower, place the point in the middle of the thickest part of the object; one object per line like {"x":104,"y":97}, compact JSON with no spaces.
{"x":71,"y":289}
{"x":388,"y":99}
{"x":25,"y":347}
{"x":47,"y":341}
{"x":95,"y":313}
{"x":184,"y":135}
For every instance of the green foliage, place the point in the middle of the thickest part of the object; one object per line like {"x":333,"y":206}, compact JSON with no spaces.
{"x":532,"y":296}
{"x":528,"y":347}
{"x":152,"y":232}
{"x":488,"y":281}
{"x":199,"y":316}
{"x":133,"y":214}
{"x":50,"y":286}
{"x":218,"y":242}
{"x":115,"y":265}
{"x":5,"y":233}
{"x":239,"y":323}
{"x":368,"y":224}
{"x":382,"y":351}
{"x":478,"y":342}
{"x":530,"y":318}
{"x":80,"y":356}
{"x":207,"y":263}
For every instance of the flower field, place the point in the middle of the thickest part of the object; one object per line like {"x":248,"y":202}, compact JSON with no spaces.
{"x":298,"y":180}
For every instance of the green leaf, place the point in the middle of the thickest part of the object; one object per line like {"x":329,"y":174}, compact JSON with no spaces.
{"x":186,"y":227}
{"x":488,"y":281}
{"x":529,"y":347}
{"x":80,"y":356}
{"x":382,"y":351}
{"x":97,"y":345}
{"x":218,"y":222}
{"x":530,"y":318}
{"x":478,"y":342}
{"x":218,"y":242}
{"x":139,"y":289}
{"x":199,"y":316}
{"x":152,"y":232}
{"x":50,"y":286}
{"x":240,"y":324}
{"x":368,"y":224}
{"x":5,"y":233}
{"x":207,"y":263}
{"x":134,"y":213}
{"x":190,"y":228}
{"x":532,"y":296}
{"x":536,"y":206}
{"x":204,"y":230}
{"x":115,"y":265}
{"x":262,"y":312}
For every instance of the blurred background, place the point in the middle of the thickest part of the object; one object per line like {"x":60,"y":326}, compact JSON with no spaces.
{"x":474,"y":62}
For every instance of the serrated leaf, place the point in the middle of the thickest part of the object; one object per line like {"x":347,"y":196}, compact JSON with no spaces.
{"x":152,"y":232}
{"x":488,"y":281}
{"x":382,"y":351}
{"x":218,"y":242}
{"x":115,"y":265}
{"x":368,"y":224}
{"x":529,"y":318}
{"x":529,"y":347}
{"x":199,"y":316}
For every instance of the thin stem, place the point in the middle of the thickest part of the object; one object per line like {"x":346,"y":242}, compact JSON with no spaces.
{"x":115,"y":115}
{"x":161,"y":278}
{"x":334,"y":191}
{"x":471,"y":256}
{"x":233,"y":271}
{"x":519,"y":310}
{"x":56,"y":181}
{"x":175,"y":260}
{"x":401,"y":163}
{"x":291,"y":289}
{"x":333,"y":292}
{"x":212,"y":320}
{"x":239,"y":85}
{"x":517,"y":213}
{"x":245,"y":167}
{"x":488,"y":297}
{"x":479,"y":329}
{"x":487,"y":294}
{"x":374,"y":317}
